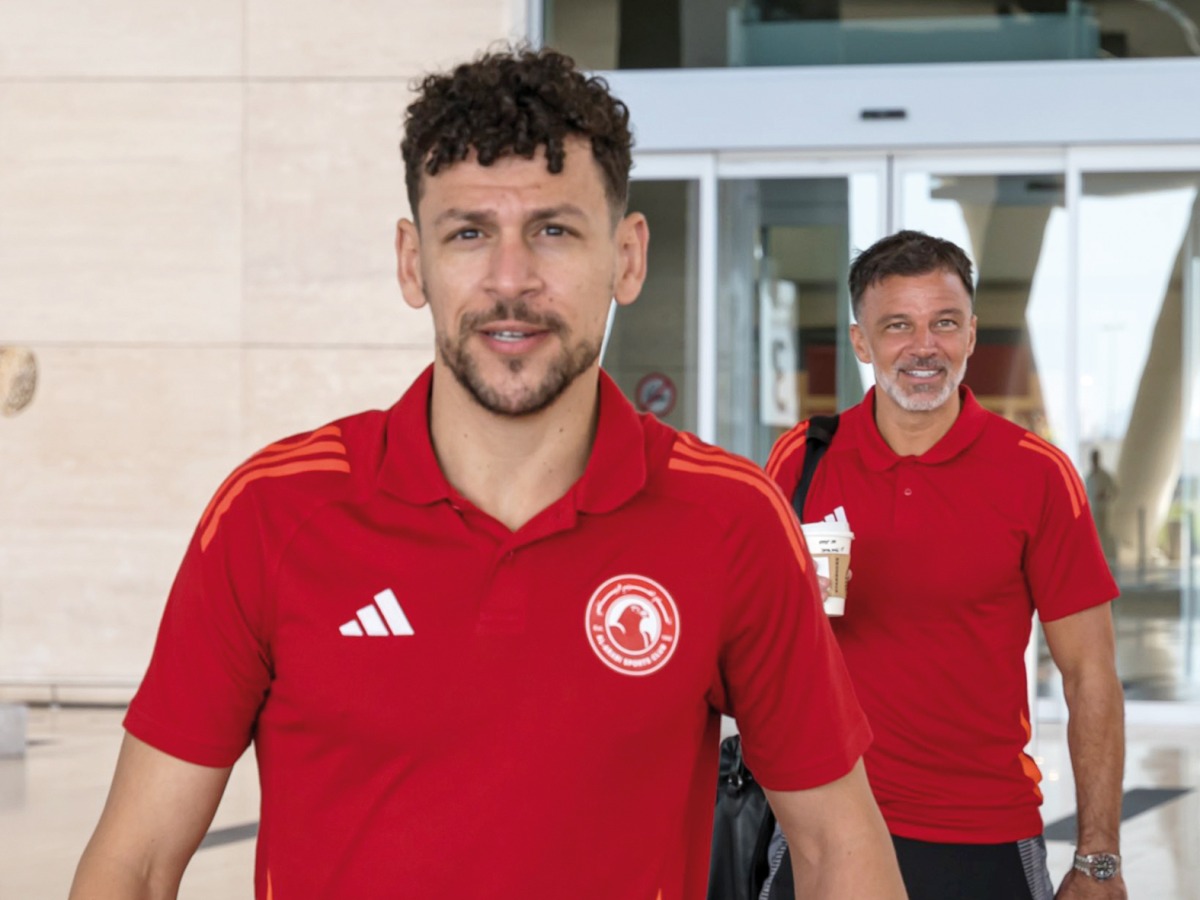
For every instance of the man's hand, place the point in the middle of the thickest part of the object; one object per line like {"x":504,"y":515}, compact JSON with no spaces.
{"x":823,"y":584}
{"x":1078,"y":886}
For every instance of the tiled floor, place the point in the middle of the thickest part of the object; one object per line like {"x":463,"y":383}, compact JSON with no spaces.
{"x":49,"y":803}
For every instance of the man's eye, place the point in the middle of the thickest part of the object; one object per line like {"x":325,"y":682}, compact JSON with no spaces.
{"x":554,"y":230}
{"x":466,"y":234}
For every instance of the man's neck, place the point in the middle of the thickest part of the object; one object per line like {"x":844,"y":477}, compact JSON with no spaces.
{"x":914,"y":433}
{"x":512,"y":467}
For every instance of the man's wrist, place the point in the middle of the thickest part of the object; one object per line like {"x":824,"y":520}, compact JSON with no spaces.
{"x":1098,"y":864}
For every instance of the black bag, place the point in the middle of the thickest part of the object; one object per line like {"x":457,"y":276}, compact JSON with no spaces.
{"x":743,"y":822}
{"x":742,"y":829}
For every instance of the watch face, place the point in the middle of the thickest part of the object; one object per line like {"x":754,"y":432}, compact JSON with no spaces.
{"x":1101,"y":866}
{"x":1104,"y":866}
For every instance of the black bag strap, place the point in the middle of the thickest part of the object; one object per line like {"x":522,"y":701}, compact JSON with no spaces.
{"x":821,"y":430}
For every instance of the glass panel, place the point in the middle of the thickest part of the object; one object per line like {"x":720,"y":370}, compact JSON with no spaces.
{"x":1138,"y":437}
{"x":1013,"y":227}
{"x":649,"y":34}
{"x":783,"y":305}
{"x":651,"y":350}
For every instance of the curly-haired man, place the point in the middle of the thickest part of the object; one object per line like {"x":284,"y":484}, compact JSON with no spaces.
{"x":482,"y":641}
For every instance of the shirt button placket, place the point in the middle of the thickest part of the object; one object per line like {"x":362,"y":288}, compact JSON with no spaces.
{"x":904,"y":508}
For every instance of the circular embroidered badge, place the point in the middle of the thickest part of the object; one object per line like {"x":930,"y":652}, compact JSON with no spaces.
{"x":632,"y":624}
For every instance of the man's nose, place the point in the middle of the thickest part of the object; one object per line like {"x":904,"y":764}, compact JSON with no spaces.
{"x":512,"y":268}
{"x":923,"y":338}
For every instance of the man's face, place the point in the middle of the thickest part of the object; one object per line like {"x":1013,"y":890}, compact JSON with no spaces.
{"x":518,"y":266}
{"x":917,"y":332}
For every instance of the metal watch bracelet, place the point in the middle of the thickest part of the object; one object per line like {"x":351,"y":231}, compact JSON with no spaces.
{"x":1101,"y":866}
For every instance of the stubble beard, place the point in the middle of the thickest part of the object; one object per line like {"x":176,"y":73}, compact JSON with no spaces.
{"x":571,"y":362}
{"x":921,"y":399}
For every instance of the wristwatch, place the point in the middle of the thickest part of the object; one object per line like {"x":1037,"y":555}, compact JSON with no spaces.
{"x":1101,"y":866}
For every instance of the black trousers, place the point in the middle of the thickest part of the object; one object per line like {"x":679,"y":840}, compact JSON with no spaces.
{"x":1012,"y":871}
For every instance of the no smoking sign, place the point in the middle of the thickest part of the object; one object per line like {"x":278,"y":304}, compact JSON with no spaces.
{"x":655,"y":394}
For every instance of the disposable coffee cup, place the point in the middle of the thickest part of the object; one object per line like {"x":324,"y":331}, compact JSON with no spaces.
{"x":829,"y":544}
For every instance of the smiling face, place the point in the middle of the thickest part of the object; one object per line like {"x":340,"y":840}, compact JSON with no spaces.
{"x":518,"y":266}
{"x":916,"y":332}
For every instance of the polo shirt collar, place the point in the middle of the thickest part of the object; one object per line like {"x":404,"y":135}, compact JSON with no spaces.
{"x":972,"y":418}
{"x":616,"y":469}
{"x":615,"y":472}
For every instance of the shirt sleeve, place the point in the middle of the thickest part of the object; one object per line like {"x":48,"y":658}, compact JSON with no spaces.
{"x":210,"y":670}
{"x":1064,"y":562}
{"x":782,"y":675}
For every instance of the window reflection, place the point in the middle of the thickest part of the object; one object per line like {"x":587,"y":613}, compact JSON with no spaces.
{"x":1004,"y":224}
{"x":1137,"y":243}
{"x":651,"y":34}
{"x":784,"y":306}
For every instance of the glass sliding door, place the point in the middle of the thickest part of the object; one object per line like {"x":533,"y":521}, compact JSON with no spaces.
{"x":783,"y":308}
{"x":1137,"y":423}
{"x":1010,"y":219}
{"x":1088,"y":302}
{"x":653,"y":347}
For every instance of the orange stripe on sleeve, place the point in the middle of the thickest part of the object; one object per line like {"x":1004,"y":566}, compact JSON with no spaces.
{"x":728,"y":467}
{"x":279,"y":471}
{"x":293,"y":443}
{"x":265,"y":458}
{"x":1075,"y":477}
{"x":785,"y":447}
{"x":1074,"y":489}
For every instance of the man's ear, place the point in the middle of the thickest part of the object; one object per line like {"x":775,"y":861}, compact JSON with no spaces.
{"x":633,"y":242}
{"x":858,"y":341}
{"x":408,"y":264}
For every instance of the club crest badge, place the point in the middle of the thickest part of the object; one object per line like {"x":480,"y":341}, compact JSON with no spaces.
{"x":632,"y":624}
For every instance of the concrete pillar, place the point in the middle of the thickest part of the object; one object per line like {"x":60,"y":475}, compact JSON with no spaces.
{"x":1149,"y":462}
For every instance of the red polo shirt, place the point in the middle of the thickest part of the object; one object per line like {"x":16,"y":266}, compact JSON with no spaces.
{"x":953,"y":551}
{"x":443,"y":708}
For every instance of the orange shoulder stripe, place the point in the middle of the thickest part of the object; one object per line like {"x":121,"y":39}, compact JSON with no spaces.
{"x":700,"y":461}
{"x":785,"y":447}
{"x":276,"y":471}
{"x":276,"y":453}
{"x":292,"y":443}
{"x":263,"y":462}
{"x":279,"y":450}
{"x":1069,"y":476}
{"x":1068,"y":466}
{"x":1081,"y":491}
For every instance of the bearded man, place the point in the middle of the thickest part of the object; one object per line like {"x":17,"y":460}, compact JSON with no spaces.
{"x":964,"y":526}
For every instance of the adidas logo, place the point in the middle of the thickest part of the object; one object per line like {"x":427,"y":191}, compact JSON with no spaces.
{"x":382,"y":618}
{"x":838,"y":515}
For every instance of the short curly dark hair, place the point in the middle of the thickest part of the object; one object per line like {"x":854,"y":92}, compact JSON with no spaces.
{"x":907,"y":253}
{"x":513,"y":101}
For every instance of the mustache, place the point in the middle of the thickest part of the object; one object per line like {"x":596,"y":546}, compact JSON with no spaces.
{"x":514,"y":311}
{"x":926,"y":362}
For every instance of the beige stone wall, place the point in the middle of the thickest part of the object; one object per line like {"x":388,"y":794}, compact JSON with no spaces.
{"x":197,"y":204}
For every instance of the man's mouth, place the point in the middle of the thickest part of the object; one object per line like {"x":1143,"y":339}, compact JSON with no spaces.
{"x":922,"y":373}
{"x":508,"y":336}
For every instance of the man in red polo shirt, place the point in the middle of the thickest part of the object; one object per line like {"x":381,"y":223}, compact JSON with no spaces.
{"x":482,"y":641}
{"x":964,"y":525}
